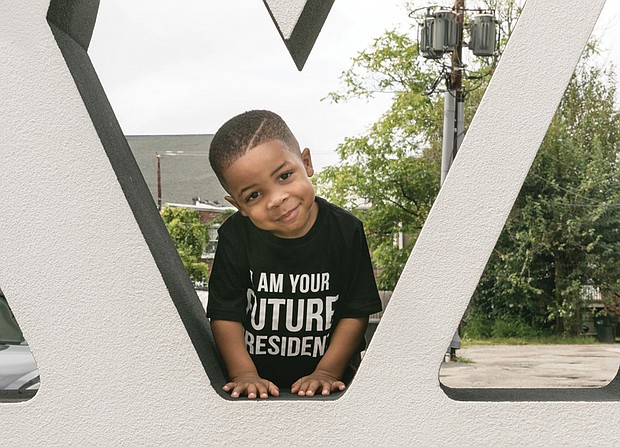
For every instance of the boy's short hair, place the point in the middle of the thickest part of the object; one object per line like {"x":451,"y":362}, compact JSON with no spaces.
{"x":244,"y":132}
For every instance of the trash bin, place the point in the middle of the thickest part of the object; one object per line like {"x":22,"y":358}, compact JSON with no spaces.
{"x":606,"y":328}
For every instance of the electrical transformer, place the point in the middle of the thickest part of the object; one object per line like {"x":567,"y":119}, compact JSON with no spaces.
{"x":438,"y":34}
{"x":483,"y":35}
{"x":426,"y":38}
{"x":445,"y":34}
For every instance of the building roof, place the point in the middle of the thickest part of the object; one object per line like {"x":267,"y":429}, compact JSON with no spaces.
{"x":185,"y":169}
{"x":203,"y":207}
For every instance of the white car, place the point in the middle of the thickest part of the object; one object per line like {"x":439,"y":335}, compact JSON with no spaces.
{"x":203,"y":296}
{"x":18,"y":370}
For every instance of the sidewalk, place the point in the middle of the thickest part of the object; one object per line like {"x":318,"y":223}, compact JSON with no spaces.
{"x":533,"y":366}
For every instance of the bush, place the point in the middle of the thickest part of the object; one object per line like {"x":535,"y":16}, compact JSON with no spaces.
{"x":480,"y":326}
{"x":512,"y":327}
{"x":477,"y":326}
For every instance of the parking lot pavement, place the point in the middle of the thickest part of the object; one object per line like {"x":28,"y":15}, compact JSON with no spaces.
{"x":532,"y":366}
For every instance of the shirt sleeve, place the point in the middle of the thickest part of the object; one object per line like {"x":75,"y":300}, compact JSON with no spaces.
{"x":361,"y":296}
{"x":228,"y":282}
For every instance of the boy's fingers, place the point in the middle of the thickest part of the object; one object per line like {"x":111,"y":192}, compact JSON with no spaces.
{"x":295,"y":387}
{"x":243,"y":388}
{"x":309,"y":388}
{"x":273,"y":389}
{"x":262,"y":390}
{"x":252,"y":391}
{"x":338,"y":385}
{"x":301,"y":389}
{"x":238,"y":390}
{"x":327,"y":388}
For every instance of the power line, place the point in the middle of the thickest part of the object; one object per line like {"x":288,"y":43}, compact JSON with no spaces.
{"x":584,"y":205}
{"x":572,"y":192}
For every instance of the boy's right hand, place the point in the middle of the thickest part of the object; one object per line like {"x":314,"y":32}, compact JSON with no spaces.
{"x":251,"y":385}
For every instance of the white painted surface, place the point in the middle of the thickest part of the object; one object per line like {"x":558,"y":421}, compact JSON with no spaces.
{"x":117,"y":367}
{"x":286,"y":14}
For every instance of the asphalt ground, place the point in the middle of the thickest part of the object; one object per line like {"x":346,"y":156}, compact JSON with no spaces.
{"x":532,"y":366}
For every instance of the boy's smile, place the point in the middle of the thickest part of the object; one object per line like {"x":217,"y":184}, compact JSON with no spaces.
{"x":271,"y":185}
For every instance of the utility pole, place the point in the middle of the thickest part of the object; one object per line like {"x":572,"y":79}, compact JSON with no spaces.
{"x":454,"y":110}
{"x":158,"y":157}
{"x":441,"y":31}
{"x":454,"y":113}
{"x":457,"y":77}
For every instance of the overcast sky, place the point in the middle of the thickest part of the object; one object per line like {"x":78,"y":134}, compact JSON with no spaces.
{"x":186,"y":66}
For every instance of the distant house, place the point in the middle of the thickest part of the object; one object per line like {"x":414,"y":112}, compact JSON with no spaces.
{"x":185,"y":170}
{"x":187,"y":180}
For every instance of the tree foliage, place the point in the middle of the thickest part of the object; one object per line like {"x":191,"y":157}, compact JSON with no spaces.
{"x":564,"y":229}
{"x":189,"y":236}
{"x":390,"y":175}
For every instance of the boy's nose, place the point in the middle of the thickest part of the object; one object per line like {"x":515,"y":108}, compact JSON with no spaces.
{"x":277,"y":199}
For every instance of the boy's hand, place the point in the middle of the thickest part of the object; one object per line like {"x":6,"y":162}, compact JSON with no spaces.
{"x":318,"y":381}
{"x":252,"y":385}
{"x":326,"y":377}
{"x":229,"y":337}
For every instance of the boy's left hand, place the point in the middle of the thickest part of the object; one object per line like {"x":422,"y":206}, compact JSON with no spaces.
{"x":318,"y":381}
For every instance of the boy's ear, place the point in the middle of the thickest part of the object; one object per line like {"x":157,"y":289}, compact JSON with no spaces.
{"x":307,"y":161}
{"x":234,"y":203}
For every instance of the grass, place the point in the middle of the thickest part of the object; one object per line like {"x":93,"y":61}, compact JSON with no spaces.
{"x":534,"y":340}
{"x":461,"y":359}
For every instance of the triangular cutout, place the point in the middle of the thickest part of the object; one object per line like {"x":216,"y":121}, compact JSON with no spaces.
{"x":460,"y":231}
{"x":559,"y":245}
{"x":19,"y":375}
{"x":299,"y":23}
{"x":285,"y":15}
{"x":70,"y":30}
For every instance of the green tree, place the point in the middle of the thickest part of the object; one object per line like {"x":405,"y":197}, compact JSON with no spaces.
{"x":563,"y":231}
{"x":390,"y":175}
{"x":189,"y":236}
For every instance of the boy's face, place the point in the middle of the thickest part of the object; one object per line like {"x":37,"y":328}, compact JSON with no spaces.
{"x":271,"y":186}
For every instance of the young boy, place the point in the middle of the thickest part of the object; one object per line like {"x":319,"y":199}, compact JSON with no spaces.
{"x":292,"y":285}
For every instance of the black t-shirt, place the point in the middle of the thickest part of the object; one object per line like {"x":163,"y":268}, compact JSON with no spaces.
{"x":290,"y":293}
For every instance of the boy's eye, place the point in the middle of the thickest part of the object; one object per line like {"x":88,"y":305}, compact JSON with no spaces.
{"x":252,"y":196}
{"x":285,"y":175}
